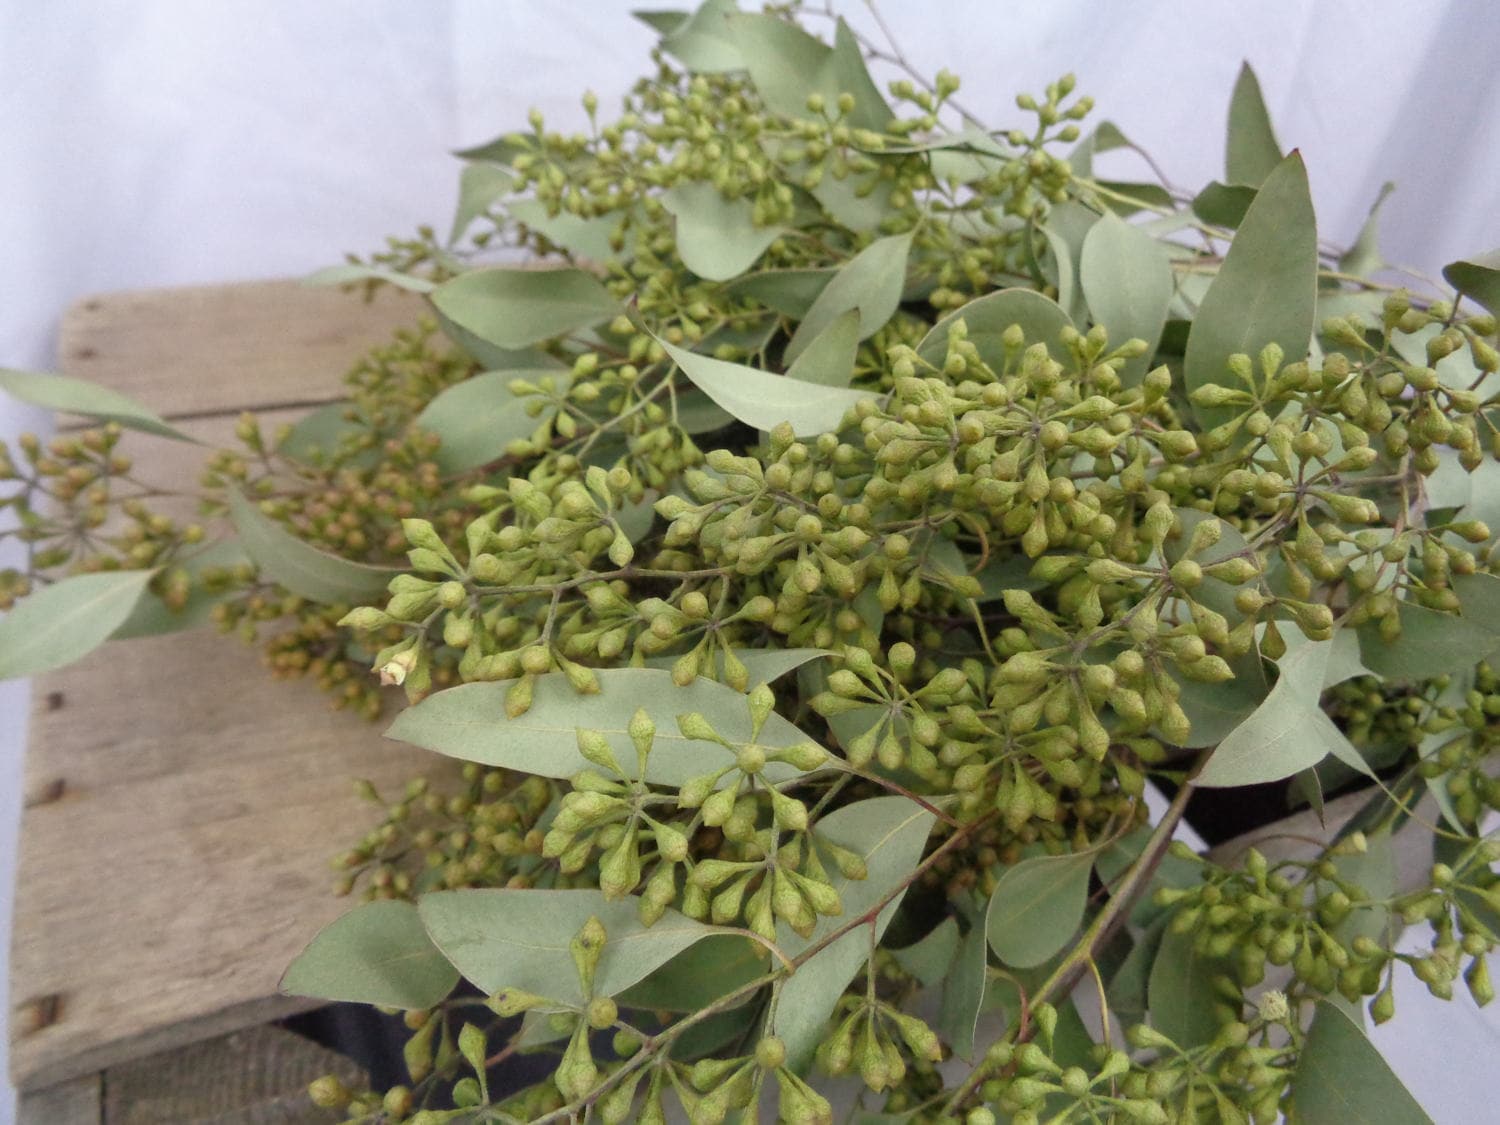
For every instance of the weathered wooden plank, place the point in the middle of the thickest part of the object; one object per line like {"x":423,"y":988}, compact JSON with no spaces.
{"x":78,"y":1101}
{"x":182,"y":808}
{"x":253,"y":1077}
{"x":182,"y":805}
{"x":199,"y":350}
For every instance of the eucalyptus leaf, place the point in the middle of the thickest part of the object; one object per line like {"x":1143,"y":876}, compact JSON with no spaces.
{"x":60,"y":623}
{"x":79,"y":396}
{"x":890,"y":833}
{"x":699,"y":414}
{"x":516,"y":307}
{"x":352,"y":274}
{"x":790,"y":292}
{"x":301,"y":567}
{"x":1037,"y":906}
{"x":930,"y":959}
{"x":479,"y":185}
{"x":586,"y":238}
{"x":1127,"y":990}
{"x":1223,"y":205}
{"x":1363,"y":258}
{"x":964,"y":991}
{"x":470,"y":722}
{"x":716,"y":237}
{"x":151,"y":617}
{"x":829,"y":360}
{"x":699,"y":975}
{"x":986,"y":319}
{"x":704,"y":41}
{"x":378,"y":953}
{"x":1342,"y":1080}
{"x":763,"y":400}
{"x":1266,"y":290}
{"x":1287,"y":733}
{"x":787,"y":66}
{"x":502,"y":939}
{"x":1477,"y":277}
{"x":762,"y":665}
{"x":1214,"y":710}
{"x":316,"y":436}
{"x":1126,"y":278}
{"x":870,"y":282}
{"x":1252,"y":151}
{"x":479,"y":417}
{"x":1431,"y":643}
{"x":1180,"y":989}
{"x":663,"y":21}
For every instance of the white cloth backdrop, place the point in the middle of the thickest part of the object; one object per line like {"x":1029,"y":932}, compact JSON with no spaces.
{"x":168,"y":142}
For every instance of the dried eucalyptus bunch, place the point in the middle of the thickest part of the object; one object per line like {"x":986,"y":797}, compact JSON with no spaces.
{"x":816,"y":567}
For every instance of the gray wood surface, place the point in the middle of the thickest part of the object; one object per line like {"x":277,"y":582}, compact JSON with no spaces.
{"x":181,"y":806}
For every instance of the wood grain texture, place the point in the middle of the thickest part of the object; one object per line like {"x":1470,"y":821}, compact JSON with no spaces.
{"x":186,"y":352}
{"x":181,"y":805}
{"x":253,"y":1077}
{"x":79,"y":1101}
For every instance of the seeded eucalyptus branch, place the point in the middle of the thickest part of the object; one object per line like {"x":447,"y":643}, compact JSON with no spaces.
{"x":813,"y":556}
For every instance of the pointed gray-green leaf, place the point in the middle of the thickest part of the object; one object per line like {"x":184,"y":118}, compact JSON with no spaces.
{"x":1252,"y":152}
{"x":1180,"y":991}
{"x":1214,"y":710}
{"x":90,"y":400}
{"x":987,"y":318}
{"x":790,"y":292}
{"x":58,"y":624}
{"x":479,"y":185}
{"x":871,"y":282}
{"x":1266,"y":290}
{"x":351,"y":274}
{"x":501,"y":939}
{"x":1287,"y":733}
{"x":663,"y":21}
{"x":787,"y":65}
{"x":1127,"y":282}
{"x":890,"y":833}
{"x":378,"y":953}
{"x":478,"y":417}
{"x":1138,"y":197}
{"x":783,"y":60}
{"x":763,"y":400}
{"x":1341,"y":1078}
{"x":502,"y":149}
{"x":1223,"y":205}
{"x":716,"y":237}
{"x":845,"y":72}
{"x":1477,"y":277}
{"x":1037,"y":906}
{"x":1067,"y":228}
{"x":763,"y":665}
{"x":703,"y":41}
{"x":1431,"y":643}
{"x":930,"y":959}
{"x":151,"y":617}
{"x":829,"y":360}
{"x":469,"y":722}
{"x":696,"y":413}
{"x":699,"y":975}
{"x":1363,"y":258}
{"x":318,"y":434}
{"x":301,"y":567}
{"x":964,"y":991}
{"x":1127,"y":987}
{"x":514,"y":308}
{"x":586,"y":238}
